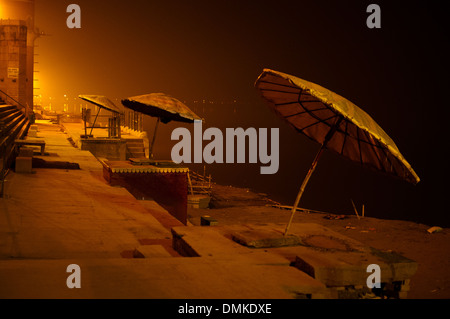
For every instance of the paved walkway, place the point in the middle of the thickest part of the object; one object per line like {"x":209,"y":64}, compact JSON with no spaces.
{"x":55,"y":217}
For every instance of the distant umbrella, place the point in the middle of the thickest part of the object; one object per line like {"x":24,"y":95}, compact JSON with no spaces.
{"x":102,"y":102}
{"x":162,"y":106}
{"x":334,"y":122}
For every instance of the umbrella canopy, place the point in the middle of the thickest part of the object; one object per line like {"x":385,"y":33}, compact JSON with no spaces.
{"x":102,"y":102}
{"x":334,"y":122}
{"x":162,"y":106}
{"x":314,"y":110}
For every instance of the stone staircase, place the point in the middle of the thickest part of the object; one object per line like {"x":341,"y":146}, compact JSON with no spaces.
{"x":135,"y":148}
{"x":13,"y":125}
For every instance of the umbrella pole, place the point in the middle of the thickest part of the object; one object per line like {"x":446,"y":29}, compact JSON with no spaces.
{"x":84,"y":118}
{"x":302,"y":188}
{"x":153,"y":140}
{"x":311,"y":170}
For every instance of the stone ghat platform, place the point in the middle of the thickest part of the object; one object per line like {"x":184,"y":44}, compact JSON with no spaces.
{"x":335,"y":261}
{"x":129,"y":248}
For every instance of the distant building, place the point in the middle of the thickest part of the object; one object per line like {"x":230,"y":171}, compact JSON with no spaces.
{"x":17,"y":36}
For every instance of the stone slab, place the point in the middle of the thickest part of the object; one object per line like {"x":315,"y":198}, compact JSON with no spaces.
{"x":151,"y":251}
{"x":265,"y":238}
{"x":198,"y":241}
{"x":24,"y":165}
{"x":334,"y":259}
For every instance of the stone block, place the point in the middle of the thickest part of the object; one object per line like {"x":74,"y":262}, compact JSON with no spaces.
{"x":26,"y":152}
{"x":24,"y":164}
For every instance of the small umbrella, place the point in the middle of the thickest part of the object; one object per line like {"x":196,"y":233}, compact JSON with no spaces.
{"x":162,"y":106}
{"x":102,"y":102}
{"x":334,"y":122}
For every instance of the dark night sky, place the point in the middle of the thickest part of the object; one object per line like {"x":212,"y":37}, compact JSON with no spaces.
{"x":216,"y":50}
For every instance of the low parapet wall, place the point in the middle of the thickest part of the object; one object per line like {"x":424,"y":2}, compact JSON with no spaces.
{"x":165,"y":185}
{"x":111,"y":148}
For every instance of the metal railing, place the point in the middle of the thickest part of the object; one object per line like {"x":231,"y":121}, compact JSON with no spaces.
{"x":133,"y":120}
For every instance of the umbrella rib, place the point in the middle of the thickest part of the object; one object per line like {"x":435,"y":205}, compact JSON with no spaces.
{"x":319,"y":121}
{"x":284,"y":85}
{"x":387,"y":157}
{"x":369,"y":137}
{"x":293,"y":102}
{"x":345,"y":138}
{"x":303,"y":112}
{"x":359,"y":145}
{"x":286,"y":103}
{"x":279,"y":91}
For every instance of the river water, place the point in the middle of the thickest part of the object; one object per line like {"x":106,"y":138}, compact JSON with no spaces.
{"x":332,"y":188}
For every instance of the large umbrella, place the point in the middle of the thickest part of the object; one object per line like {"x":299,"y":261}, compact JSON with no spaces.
{"x":102,"y":102}
{"x":162,"y":106}
{"x":334,"y":122}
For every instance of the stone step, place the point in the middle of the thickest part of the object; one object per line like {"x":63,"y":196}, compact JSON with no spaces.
{"x":151,"y":251}
{"x":337,"y":261}
{"x":137,"y":155}
{"x":209,"y":242}
{"x":6,"y":107}
{"x":7,"y":112}
{"x":154,"y":278}
{"x":135,"y":142}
